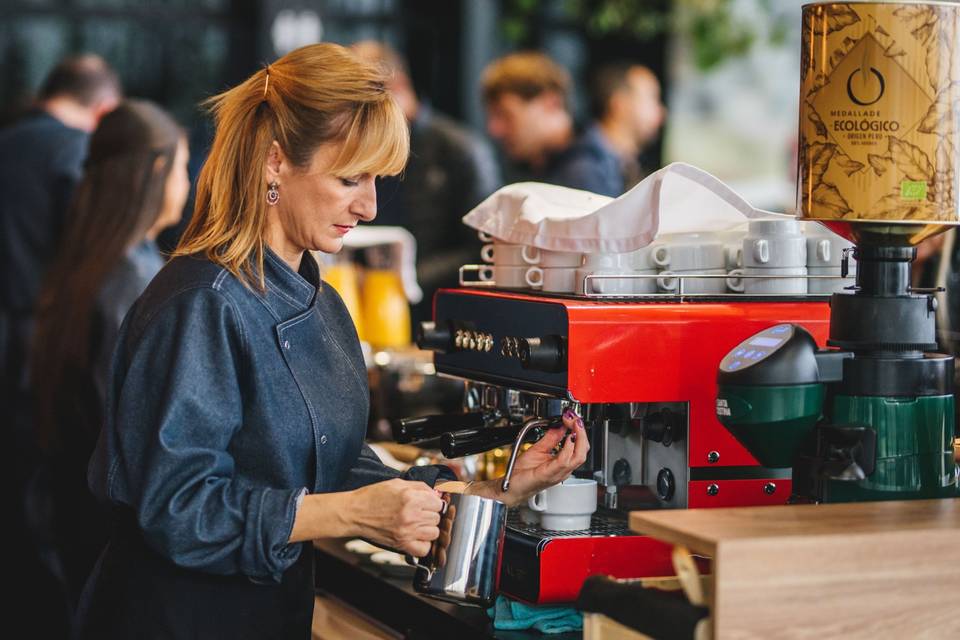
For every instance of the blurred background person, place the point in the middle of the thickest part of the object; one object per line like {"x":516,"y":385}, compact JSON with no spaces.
{"x":134,"y":185}
{"x":450,"y":171}
{"x":527,"y":96}
{"x":629,"y":114}
{"x":41,"y":160}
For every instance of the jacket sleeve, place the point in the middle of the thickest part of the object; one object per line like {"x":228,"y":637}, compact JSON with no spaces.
{"x":178,"y":403}
{"x":369,"y":469}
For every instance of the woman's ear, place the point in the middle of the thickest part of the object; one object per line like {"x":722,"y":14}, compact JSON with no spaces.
{"x":275,"y":160}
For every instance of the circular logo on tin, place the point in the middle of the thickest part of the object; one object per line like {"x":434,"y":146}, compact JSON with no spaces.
{"x":880,"y":85}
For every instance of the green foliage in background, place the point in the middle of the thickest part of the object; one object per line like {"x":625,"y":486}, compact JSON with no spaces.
{"x":714,"y":32}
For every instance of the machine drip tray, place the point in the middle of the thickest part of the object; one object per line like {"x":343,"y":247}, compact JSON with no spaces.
{"x":603,"y":523}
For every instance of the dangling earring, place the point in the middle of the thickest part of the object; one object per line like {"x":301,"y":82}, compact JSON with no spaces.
{"x":273,"y":194}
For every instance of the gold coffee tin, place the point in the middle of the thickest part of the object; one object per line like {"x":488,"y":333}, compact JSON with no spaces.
{"x":879,"y":119}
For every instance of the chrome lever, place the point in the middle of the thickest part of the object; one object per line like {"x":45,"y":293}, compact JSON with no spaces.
{"x":532,"y":423}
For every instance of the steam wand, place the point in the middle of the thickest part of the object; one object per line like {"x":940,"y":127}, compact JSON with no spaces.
{"x":533,"y":423}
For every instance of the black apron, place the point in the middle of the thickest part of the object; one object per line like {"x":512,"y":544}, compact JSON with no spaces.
{"x":136,"y":593}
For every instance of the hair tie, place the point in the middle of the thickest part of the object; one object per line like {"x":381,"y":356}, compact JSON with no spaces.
{"x":266,"y":81}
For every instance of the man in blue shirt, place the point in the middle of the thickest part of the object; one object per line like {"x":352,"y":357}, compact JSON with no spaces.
{"x":526,"y":95}
{"x":626,"y":104}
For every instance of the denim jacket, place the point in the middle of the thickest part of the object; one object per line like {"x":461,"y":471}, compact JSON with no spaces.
{"x":225,"y":405}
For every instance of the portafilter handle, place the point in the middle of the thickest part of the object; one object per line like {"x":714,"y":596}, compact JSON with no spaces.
{"x":528,"y":426}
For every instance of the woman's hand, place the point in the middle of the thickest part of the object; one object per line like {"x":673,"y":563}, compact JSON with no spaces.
{"x":539,"y":467}
{"x":401,"y":514}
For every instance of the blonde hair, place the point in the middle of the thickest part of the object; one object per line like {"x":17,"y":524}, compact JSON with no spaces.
{"x":526,"y":74}
{"x":318,"y":94}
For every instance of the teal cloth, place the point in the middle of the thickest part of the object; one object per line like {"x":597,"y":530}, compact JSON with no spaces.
{"x":510,"y":615}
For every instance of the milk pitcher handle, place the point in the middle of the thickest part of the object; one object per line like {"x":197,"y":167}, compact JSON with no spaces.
{"x":414,"y":561}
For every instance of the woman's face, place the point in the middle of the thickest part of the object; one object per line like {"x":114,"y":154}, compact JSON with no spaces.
{"x":176,"y":189}
{"x":316,"y":208}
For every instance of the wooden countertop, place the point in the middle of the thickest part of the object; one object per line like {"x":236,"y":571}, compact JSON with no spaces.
{"x":702,"y":530}
{"x":862,"y":570}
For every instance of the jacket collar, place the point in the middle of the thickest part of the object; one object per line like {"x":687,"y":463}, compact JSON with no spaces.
{"x":297,"y":289}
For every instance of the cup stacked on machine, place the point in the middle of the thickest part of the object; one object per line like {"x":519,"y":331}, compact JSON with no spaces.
{"x":682,"y":256}
{"x":520,"y":266}
{"x":824,"y":255}
{"x":772,"y":247}
{"x":605,"y":269}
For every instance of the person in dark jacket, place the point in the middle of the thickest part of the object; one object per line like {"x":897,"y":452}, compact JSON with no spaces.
{"x":527,"y":96}
{"x":134,"y":185}
{"x":238,"y":398}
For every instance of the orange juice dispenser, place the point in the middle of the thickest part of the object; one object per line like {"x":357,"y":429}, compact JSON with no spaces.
{"x":385,"y":311}
{"x":343,"y":274}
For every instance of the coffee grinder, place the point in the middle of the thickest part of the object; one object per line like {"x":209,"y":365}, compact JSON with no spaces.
{"x":870,"y":417}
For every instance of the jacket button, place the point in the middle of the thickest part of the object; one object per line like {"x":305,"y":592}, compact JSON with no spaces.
{"x":286,"y":344}
{"x":323,"y":439}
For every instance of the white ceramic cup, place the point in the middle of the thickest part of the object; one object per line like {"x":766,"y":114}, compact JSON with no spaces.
{"x":509,"y":254}
{"x":690,"y":252}
{"x":669,"y":281}
{"x":608,"y":261}
{"x":485,"y":237}
{"x":568,"y":259}
{"x":774,"y":244}
{"x":566,"y":506}
{"x":776,"y":285}
{"x":518,"y":277}
{"x":823,"y":286}
{"x":642,"y":259}
{"x":560,"y":280}
{"x":733,"y":245}
{"x":616,"y":286}
{"x":825,"y":248}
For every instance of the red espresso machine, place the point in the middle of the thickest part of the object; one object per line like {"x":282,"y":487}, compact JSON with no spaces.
{"x":642,"y":373}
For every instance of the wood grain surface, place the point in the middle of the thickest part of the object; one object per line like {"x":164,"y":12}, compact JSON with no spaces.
{"x":865,"y":570}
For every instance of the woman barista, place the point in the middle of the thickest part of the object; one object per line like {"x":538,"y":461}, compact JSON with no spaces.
{"x":238,"y":398}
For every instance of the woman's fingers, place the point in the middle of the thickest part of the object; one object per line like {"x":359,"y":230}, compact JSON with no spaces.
{"x":581,"y":446}
{"x":550,"y":440}
{"x":416,"y":548}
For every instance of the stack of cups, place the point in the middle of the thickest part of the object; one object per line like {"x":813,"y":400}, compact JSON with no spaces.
{"x":560,"y":270}
{"x":733,"y":246}
{"x":683,"y":254}
{"x":824,"y":253}
{"x":515,"y":266}
{"x":772,"y":247}
{"x":611,"y":265}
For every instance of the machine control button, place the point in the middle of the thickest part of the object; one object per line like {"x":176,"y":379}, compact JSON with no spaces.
{"x":430,"y":337}
{"x":458,"y":339}
{"x":548,"y":353}
{"x":666,"y":484}
{"x":622,"y":473}
{"x":713,"y":489}
{"x":713,"y":457}
{"x":770,"y":488}
{"x":488,"y":343}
